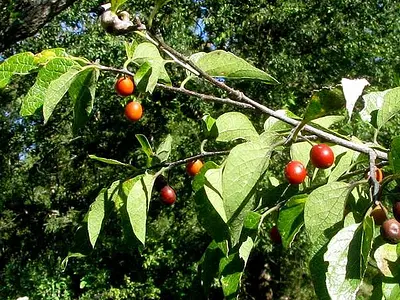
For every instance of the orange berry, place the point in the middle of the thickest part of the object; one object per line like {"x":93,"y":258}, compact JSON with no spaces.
{"x":378,"y":174}
{"x":193,"y":167}
{"x":125,"y":86}
{"x":133,"y":111}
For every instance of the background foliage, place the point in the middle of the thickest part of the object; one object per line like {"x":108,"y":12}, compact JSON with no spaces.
{"x":47,"y":181}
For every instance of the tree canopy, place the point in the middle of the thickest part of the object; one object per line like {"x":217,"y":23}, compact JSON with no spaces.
{"x":48,"y":181}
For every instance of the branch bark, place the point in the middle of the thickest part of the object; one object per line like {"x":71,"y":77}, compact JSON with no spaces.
{"x":20,"y":19}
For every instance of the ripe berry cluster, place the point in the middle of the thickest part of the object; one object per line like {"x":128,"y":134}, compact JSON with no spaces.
{"x":124,"y":87}
{"x":321,"y":157}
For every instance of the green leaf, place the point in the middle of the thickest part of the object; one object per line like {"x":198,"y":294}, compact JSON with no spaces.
{"x":323,"y":102}
{"x":37,"y":93}
{"x":301,"y":152}
{"x":209,"y":263}
{"x":274,"y":125}
{"x":164,"y":149}
{"x":18,"y":64}
{"x":372,"y":102}
{"x":366,"y":243}
{"x":386,"y":258}
{"x":156,"y":8}
{"x":115,"y":4}
{"x":130,"y":49}
{"x":46,"y":55}
{"x":200,"y":179}
{"x":231,"y":269}
{"x":111,"y":161}
{"x":96,"y":214}
{"x":56,"y":90}
{"x":244,"y":167}
{"x":142,"y":77}
{"x":227,"y":65}
{"x":144,"y":142}
{"x":391,"y":291}
{"x":118,"y":193}
{"x":235,"y":125}
{"x":213,"y":189}
{"x":343,"y":278}
{"x":82,"y":92}
{"x":148,"y":53}
{"x":394,"y":155}
{"x":327,"y":121}
{"x":291,"y":219}
{"x":251,"y":226}
{"x":209,"y":126}
{"x":342,"y":166}
{"x":209,"y":218}
{"x":210,"y":207}
{"x":390,"y":107}
{"x":324,"y":209}
{"x":138,"y":204}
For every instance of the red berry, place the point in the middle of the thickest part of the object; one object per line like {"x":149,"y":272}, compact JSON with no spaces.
{"x":133,"y":111}
{"x":193,"y":167}
{"x":322,"y":156}
{"x":125,"y":86}
{"x":168,"y":195}
{"x":295,"y":172}
{"x":275,"y":235}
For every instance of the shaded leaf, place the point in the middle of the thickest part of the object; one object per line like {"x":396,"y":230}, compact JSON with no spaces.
{"x":232,"y":267}
{"x":82,"y":92}
{"x":146,"y":147}
{"x":368,"y":231}
{"x":251,"y":226}
{"x":209,"y":263}
{"x":394,"y":155}
{"x":213,"y":189}
{"x":323,"y":102}
{"x":209,"y":218}
{"x":200,"y":179}
{"x":342,"y":165}
{"x":291,"y":219}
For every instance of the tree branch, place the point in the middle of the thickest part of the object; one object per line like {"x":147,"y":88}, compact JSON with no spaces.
{"x":240,"y":97}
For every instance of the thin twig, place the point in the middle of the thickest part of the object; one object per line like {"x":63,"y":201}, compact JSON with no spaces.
{"x":170,"y":165}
